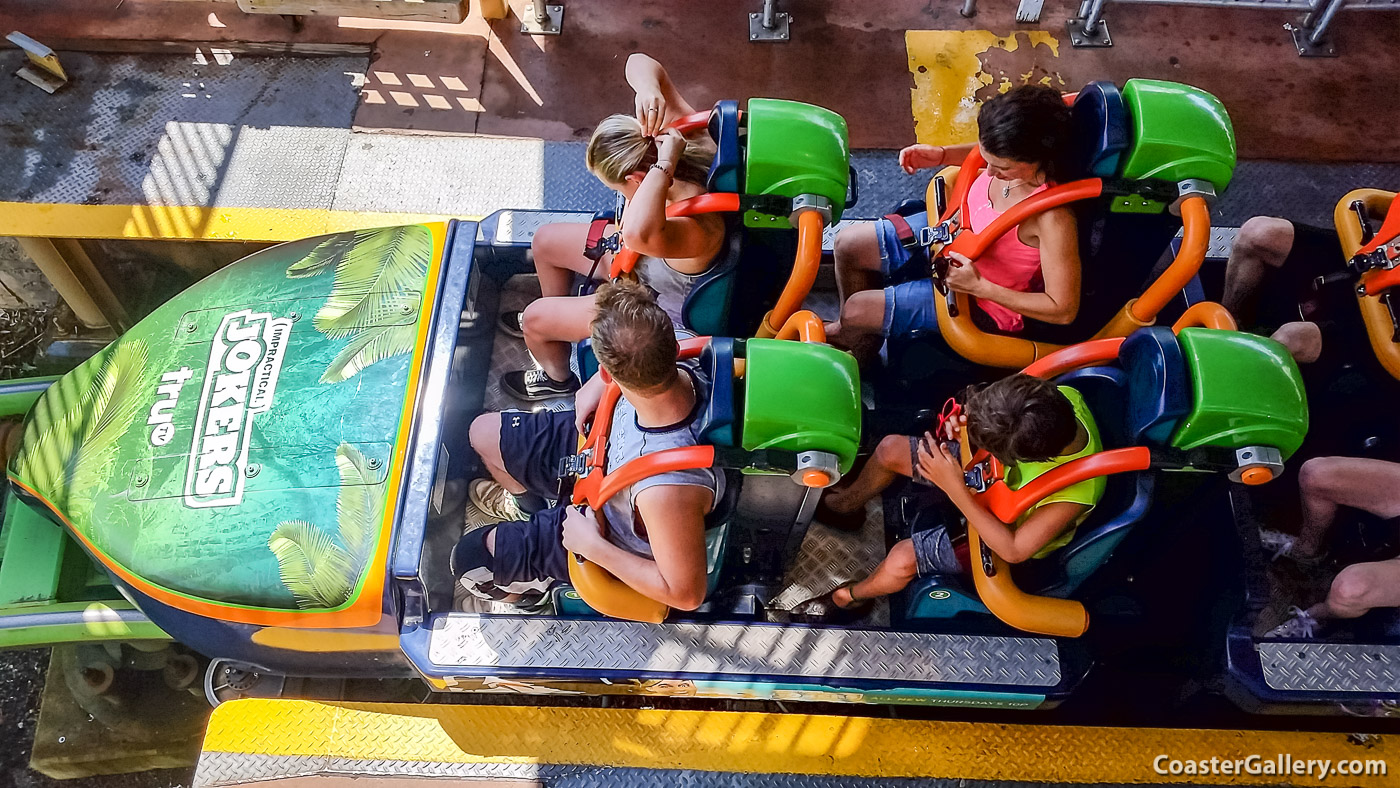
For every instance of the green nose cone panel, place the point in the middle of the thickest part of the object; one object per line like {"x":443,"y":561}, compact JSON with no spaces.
{"x":801,"y":397}
{"x":1245,"y":391}
{"x":1179,"y":132}
{"x":795,"y":148}
{"x":237,"y":447}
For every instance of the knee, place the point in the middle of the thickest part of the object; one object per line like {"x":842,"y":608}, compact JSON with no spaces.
{"x":865,"y":309}
{"x":891,"y":450}
{"x":856,"y":246}
{"x":546,"y":243}
{"x":902,"y":560}
{"x":534,"y":319}
{"x":1264,"y":238}
{"x":484,"y":434}
{"x":1351,"y":588}
{"x":1321,"y":477}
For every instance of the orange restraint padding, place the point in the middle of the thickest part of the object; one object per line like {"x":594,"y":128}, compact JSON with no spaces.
{"x":804,"y":273}
{"x":1205,"y":314}
{"x":1095,"y":351}
{"x":1029,"y":612}
{"x":626,"y":258}
{"x":1374,"y":313}
{"x":692,"y":122}
{"x":1195,"y":238}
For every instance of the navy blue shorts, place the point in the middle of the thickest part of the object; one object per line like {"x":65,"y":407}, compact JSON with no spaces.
{"x":934,"y":553}
{"x":532,"y":445}
{"x":532,"y":550}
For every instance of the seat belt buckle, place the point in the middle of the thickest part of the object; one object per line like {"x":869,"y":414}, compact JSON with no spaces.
{"x":574,"y":465}
{"x":940,"y":233}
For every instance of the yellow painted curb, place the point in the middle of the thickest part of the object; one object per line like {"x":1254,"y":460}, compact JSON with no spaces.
{"x":188,"y":223}
{"x":756,"y":743}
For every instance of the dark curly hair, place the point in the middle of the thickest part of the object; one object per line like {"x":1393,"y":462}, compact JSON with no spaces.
{"x":1031,"y":124}
{"x":1020,"y":419}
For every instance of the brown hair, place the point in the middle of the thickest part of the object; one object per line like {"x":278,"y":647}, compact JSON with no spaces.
{"x":1021,"y":418}
{"x":618,"y":149}
{"x":633,"y":337}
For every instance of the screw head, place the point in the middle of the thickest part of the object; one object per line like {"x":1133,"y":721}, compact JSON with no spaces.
{"x":140,"y":480}
{"x":190,"y":328}
{"x":374,"y":463}
{"x":252,"y":470}
{"x":295,"y":316}
{"x":406,"y":309}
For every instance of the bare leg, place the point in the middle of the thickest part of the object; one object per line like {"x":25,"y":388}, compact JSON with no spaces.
{"x":1360,"y":588}
{"x":485,"y":437}
{"x":1327,"y":483}
{"x":890,"y":461}
{"x":893,"y":574}
{"x":557,"y":250}
{"x":861,"y":325}
{"x":551,"y":324}
{"x":1303,"y":340}
{"x":857,"y":254}
{"x":1262,"y":245}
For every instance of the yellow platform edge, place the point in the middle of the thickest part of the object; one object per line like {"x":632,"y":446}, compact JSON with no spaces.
{"x":189,"y":223}
{"x":759,"y":743}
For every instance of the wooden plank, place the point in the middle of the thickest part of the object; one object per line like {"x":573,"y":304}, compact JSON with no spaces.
{"x":420,"y":10}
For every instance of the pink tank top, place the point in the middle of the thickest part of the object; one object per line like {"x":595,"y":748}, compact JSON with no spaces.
{"x":1008,"y":262}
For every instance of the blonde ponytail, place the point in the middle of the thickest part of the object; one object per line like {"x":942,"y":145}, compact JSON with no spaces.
{"x":618,"y":149}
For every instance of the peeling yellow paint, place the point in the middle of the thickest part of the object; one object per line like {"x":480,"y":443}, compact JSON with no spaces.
{"x":948,"y":71}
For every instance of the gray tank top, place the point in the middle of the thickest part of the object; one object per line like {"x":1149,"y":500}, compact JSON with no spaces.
{"x":628,"y":440}
{"x":671,"y":286}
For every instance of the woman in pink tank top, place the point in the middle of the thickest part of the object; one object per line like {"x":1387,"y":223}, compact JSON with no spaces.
{"x":1030,"y":272}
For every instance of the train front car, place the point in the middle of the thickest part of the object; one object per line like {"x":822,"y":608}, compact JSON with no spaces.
{"x":235,"y":461}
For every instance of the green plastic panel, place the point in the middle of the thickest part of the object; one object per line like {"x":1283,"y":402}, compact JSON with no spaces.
{"x":32,"y":557}
{"x":795,"y":148}
{"x":16,"y":400}
{"x":801,"y":397}
{"x":1245,"y":391}
{"x":1179,"y":132}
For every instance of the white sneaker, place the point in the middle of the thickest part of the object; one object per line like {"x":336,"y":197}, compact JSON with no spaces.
{"x":494,"y":502}
{"x":1280,"y":543}
{"x":1299,"y":625}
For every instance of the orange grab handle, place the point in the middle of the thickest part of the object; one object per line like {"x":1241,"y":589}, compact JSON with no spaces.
{"x":974,"y":244}
{"x":1042,"y":615}
{"x":1195,"y":237}
{"x":980,"y":347}
{"x":1206,"y":314}
{"x":695,"y":121}
{"x":804,"y":273}
{"x":958,"y":199}
{"x":804,"y":325}
{"x":626,"y":258}
{"x":1374,"y":313}
{"x":1008,"y":504}
{"x":1095,"y":351}
{"x":683,"y":458}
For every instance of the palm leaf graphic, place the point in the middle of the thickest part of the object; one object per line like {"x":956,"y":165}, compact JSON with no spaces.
{"x":72,"y":436}
{"x":312,"y":566}
{"x":323,"y":256}
{"x":357,"y":509}
{"x":367,"y":347}
{"x":375,"y":277}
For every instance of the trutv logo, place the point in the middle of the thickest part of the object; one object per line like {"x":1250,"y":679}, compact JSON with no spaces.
{"x":245,"y":358}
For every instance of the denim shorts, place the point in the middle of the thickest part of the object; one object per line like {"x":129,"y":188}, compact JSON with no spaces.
{"x":909,"y":299}
{"x":934,"y":553}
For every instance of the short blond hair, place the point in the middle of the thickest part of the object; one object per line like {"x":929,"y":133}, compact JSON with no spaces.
{"x":618,"y":149}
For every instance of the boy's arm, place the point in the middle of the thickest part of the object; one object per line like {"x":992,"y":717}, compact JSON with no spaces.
{"x":675,"y":517}
{"x":1014,"y":546}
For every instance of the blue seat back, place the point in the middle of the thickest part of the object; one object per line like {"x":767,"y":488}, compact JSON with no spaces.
{"x":1102,"y":132}
{"x":1159,"y":384}
{"x":1104,"y":390}
{"x":719,"y":421}
{"x":1125,"y":503}
{"x":727,"y":169}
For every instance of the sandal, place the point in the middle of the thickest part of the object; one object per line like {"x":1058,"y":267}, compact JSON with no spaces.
{"x":838,"y":613}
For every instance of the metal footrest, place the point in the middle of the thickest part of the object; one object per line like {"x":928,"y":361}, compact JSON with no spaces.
{"x":1330,"y":667}
{"x":473,"y":645}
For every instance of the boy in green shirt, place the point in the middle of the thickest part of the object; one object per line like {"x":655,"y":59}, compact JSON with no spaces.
{"x":1031,"y":426}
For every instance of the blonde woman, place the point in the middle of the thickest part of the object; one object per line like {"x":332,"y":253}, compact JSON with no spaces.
{"x":651,"y":168}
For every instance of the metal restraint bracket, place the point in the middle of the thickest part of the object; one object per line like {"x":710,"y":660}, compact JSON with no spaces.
{"x":810,"y":202}
{"x":1251,"y":459}
{"x":42,"y":67}
{"x":770,"y":24}
{"x":542,"y":18}
{"x":1028,"y":11}
{"x":1192,"y":187}
{"x":1089,"y":29}
{"x":1310,"y":34}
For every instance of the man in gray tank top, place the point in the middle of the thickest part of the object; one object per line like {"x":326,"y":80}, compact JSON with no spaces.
{"x":652,"y":534}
